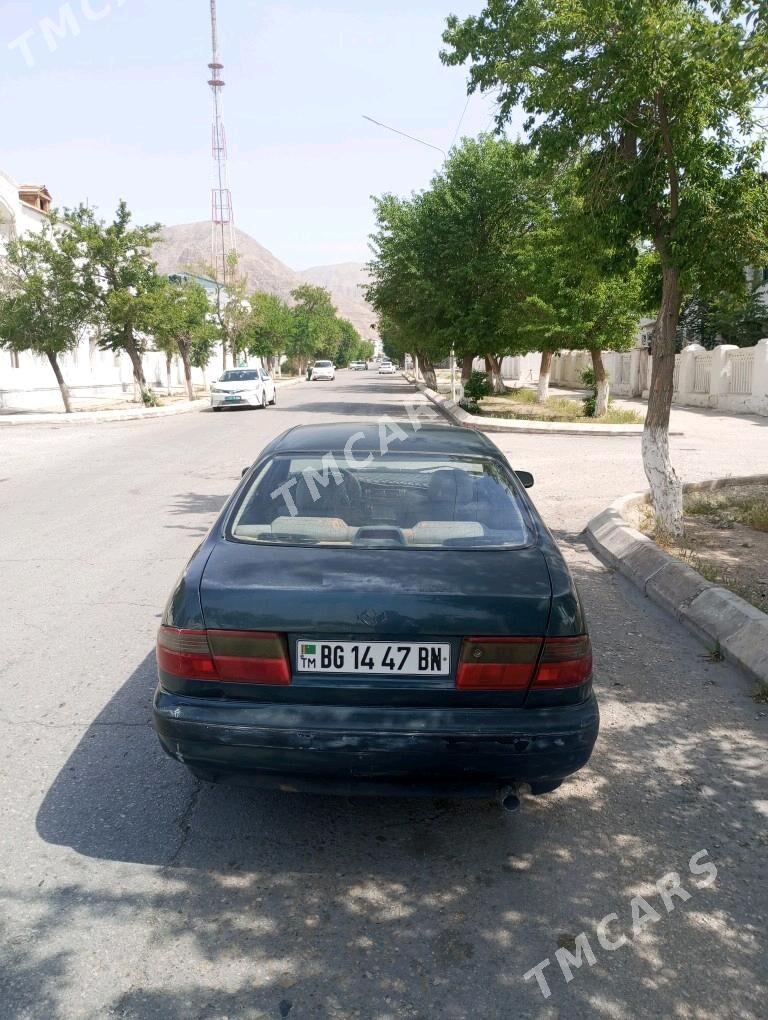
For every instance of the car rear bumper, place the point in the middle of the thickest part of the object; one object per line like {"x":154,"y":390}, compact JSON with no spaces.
{"x":377,"y":750}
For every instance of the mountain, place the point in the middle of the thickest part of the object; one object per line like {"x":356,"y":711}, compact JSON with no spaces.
{"x":188,"y":247}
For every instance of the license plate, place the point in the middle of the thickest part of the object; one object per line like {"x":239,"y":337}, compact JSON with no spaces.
{"x":373,"y":658}
{"x":231,"y":400}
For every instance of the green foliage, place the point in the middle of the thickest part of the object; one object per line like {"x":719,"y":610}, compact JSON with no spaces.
{"x":43,"y":304}
{"x":657,"y":101}
{"x":270,"y":328}
{"x":450,"y":263}
{"x":149,"y":398}
{"x":589,"y":402}
{"x":119,"y":278}
{"x":44,"y":301}
{"x":178,"y":314}
{"x":740,"y":320}
{"x":477,"y":387}
{"x":582,"y":294}
{"x":659,"y":97}
{"x":315,"y":324}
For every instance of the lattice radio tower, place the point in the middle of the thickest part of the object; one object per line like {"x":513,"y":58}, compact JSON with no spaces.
{"x":223,"y":242}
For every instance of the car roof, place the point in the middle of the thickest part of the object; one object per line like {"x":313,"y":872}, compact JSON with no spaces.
{"x":330,"y":438}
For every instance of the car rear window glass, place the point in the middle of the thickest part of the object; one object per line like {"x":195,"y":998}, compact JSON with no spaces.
{"x":372,"y":500}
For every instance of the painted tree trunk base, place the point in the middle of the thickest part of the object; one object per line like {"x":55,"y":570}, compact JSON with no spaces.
{"x":603,"y":387}
{"x":545,"y":373}
{"x":666,"y":487}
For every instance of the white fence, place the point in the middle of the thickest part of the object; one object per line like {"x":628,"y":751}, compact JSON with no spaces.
{"x":702,"y":374}
{"x":728,"y":378}
{"x":742,"y":364}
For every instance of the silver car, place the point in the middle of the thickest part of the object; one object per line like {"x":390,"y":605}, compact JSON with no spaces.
{"x":243,"y":387}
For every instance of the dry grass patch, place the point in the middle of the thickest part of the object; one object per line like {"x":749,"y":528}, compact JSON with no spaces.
{"x":726,"y":539}
{"x":520,"y":404}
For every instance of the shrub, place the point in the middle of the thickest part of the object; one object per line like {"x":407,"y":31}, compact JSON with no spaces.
{"x":149,"y":398}
{"x":476,"y":387}
{"x":590,"y":401}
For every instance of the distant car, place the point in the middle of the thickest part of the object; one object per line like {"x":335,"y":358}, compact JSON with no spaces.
{"x":243,"y":387}
{"x":358,"y":366}
{"x":323,"y":370}
{"x":407,"y":625}
{"x":387,"y":368}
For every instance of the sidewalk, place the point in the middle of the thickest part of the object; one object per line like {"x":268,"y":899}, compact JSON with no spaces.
{"x":129,"y":414}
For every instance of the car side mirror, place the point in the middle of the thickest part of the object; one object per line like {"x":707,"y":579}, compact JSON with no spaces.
{"x":525,"y":478}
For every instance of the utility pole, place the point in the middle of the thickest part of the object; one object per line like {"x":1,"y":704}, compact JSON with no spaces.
{"x":223,"y":240}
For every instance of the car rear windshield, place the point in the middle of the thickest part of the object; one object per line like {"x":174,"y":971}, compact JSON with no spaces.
{"x":240,"y":375}
{"x":366,"y":500}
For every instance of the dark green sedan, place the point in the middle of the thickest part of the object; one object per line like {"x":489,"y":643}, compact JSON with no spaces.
{"x":378,"y":609}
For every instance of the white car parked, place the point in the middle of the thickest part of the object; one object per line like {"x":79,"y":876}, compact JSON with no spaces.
{"x":387,"y":368}
{"x":323,"y":370}
{"x":243,"y":387}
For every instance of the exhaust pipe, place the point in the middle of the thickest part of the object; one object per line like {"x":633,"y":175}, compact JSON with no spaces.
{"x":509,"y":799}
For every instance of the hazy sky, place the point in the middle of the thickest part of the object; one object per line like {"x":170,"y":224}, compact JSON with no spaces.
{"x":116,"y":105}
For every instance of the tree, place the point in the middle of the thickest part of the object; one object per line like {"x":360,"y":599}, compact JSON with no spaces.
{"x":450,"y":266}
{"x":581,"y":296}
{"x":121,"y":276}
{"x":44,"y":307}
{"x":742,"y":321}
{"x":315,"y":325}
{"x":270,"y":328}
{"x":659,"y":99}
{"x":178,"y":315}
{"x":349,"y":343}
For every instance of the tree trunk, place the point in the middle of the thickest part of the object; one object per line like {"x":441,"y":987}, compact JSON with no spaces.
{"x":54,"y":362}
{"x":493,"y":371}
{"x":666,"y":487}
{"x":224,"y":354}
{"x":466,"y":367}
{"x":168,"y":373}
{"x":602,"y":384}
{"x":545,"y":372}
{"x":428,"y":371}
{"x":184,"y":352}
{"x":130,"y":348}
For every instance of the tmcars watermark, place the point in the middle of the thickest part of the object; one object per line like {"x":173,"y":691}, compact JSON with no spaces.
{"x":642,"y":913}
{"x":390,"y":432}
{"x":66,"y":23}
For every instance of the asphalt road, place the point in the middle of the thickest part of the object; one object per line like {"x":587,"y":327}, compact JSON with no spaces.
{"x":127,"y":889}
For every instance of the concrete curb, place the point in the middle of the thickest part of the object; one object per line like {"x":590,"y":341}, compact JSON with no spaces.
{"x":713,"y":613}
{"x":102,"y":417}
{"x":459,"y":416}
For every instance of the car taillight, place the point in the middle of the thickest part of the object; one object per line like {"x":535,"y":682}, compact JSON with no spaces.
{"x":497,"y":664}
{"x":509,"y":664}
{"x":250,"y":657}
{"x":565,"y":662}
{"x":185,"y":653}
{"x":235,"y":657}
